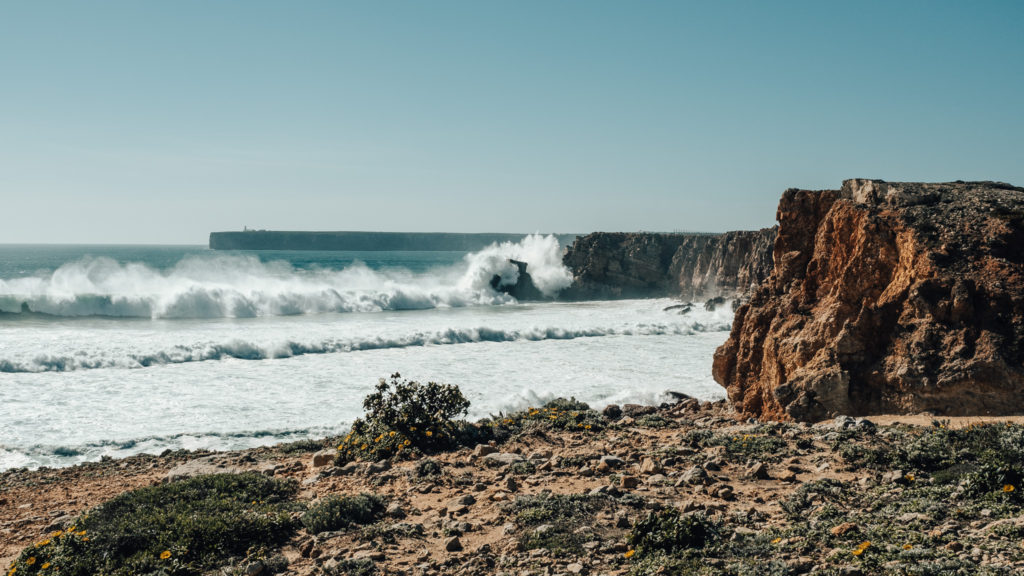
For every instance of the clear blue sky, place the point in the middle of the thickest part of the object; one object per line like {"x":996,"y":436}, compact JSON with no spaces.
{"x":158,"y":122}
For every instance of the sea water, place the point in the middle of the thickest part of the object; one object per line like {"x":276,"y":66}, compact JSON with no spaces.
{"x":117,"y":350}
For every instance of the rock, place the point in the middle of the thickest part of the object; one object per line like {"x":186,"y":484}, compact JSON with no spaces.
{"x":757,"y":470}
{"x":378,"y":467}
{"x":649,"y":466}
{"x":885,"y":298}
{"x":637,"y":410}
{"x":504,"y":458}
{"x":464,"y":500}
{"x":843,"y":528}
{"x":613,"y":461}
{"x":695,"y":475}
{"x":629,"y":482}
{"x":575,"y":568}
{"x":324,"y":457}
{"x":725,"y":492}
{"x":482,"y":450}
{"x":453,"y":544}
{"x":394,"y":510}
{"x":630,"y":265}
{"x":255,"y":568}
{"x":612,"y":412}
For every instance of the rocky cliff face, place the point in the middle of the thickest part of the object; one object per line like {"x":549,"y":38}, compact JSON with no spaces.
{"x":694,"y":266}
{"x":886,"y":297}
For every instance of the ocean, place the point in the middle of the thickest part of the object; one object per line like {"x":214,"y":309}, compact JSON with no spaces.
{"x":118,"y":350}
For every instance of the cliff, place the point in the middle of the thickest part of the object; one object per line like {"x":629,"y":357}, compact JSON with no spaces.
{"x":362,"y":241}
{"x":886,"y":298}
{"x":694,"y":266}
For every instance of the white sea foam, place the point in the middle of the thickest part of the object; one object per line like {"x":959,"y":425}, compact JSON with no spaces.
{"x":236,"y":286}
{"x":222,"y":351}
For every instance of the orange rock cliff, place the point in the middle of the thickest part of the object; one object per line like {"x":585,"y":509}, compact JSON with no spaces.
{"x":885,"y":298}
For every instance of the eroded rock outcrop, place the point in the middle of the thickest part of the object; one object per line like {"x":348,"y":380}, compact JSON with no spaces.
{"x":693,"y":266}
{"x":886,"y":297}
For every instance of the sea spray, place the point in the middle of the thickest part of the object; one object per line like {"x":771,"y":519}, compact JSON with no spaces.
{"x":242,"y":286}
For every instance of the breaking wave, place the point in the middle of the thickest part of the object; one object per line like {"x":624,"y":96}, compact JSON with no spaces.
{"x":237,"y":286}
{"x":246,"y":350}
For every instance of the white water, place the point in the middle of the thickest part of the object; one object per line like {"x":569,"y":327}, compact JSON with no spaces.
{"x":225,"y":351}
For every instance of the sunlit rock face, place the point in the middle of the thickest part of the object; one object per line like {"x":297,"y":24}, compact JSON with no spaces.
{"x":885,"y":298}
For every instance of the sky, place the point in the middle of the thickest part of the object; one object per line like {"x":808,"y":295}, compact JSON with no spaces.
{"x":159,"y":122}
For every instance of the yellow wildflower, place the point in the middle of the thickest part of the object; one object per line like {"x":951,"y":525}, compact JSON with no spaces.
{"x":858,"y":552}
{"x":587,"y":427}
{"x":429,"y":433}
{"x":392,"y":433}
{"x":406,"y":443}
{"x":363,"y":447}
{"x":43,"y":543}
{"x":1008,"y":488}
{"x":630,"y":553}
{"x":777,"y":540}
{"x":44,"y":566}
{"x":907,"y":546}
{"x":31,"y":560}
{"x":165,"y":554}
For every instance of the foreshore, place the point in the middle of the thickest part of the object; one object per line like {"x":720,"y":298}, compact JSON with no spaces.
{"x":774,"y":497}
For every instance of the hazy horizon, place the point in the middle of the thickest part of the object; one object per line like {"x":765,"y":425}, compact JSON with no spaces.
{"x":146,"y":123}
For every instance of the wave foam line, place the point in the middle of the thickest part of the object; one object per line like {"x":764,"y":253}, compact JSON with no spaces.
{"x":237,"y":286}
{"x":245,"y":350}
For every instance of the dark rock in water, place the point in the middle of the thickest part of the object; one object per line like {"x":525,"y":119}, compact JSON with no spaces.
{"x":680,"y":308}
{"x":886,"y":298}
{"x":714,"y":303}
{"x":523,"y":289}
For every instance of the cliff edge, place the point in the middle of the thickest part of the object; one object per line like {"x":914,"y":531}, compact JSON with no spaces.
{"x":885,"y":298}
{"x":694,"y":266}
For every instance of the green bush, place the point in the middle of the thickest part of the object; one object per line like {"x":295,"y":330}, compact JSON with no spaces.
{"x":179,"y":528}
{"x":561,"y":517}
{"x":406,"y":417}
{"x":339,"y":512}
{"x":670,"y":532}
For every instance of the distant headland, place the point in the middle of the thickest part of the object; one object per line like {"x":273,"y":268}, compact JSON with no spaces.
{"x":363,"y":241}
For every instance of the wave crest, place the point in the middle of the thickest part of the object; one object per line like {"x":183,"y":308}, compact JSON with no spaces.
{"x":241,"y":286}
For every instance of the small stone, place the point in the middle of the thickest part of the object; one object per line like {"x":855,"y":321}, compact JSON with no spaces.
{"x":510,"y":484}
{"x":612,"y":412}
{"x":585,"y":471}
{"x":649,"y":466}
{"x":602,"y":467}
{"x":394,"y":510}
{"x":464,"y":500}
{"x":482,"y":450}
{"x":629,"y":482}
{"x":758,"y":471}
{"x":844,"y":528}
{"x":695,"y":475}
{"x":504,"y":458}
{"x":724,"y":492}
{"x":378,"y":467}
{"x":255,"y":569}
{"x":323,"y":458}
{"x":453,"y":544}
{"x":613,"y":461}
{"x":575,"y":568}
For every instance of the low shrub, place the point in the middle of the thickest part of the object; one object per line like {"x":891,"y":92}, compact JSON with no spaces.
{"x":669,"y":532}
{"x":339,"y":512}
{"x":554,"y":522}
{"x":406,"y":417}
{"x":184,"y":527}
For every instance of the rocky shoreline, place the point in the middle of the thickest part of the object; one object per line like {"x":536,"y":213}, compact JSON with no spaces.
{"x":844,"y":496}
